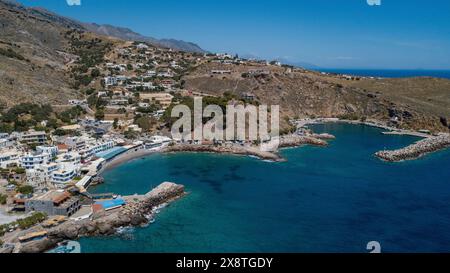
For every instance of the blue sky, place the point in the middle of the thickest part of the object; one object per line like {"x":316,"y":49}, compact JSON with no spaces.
{"x":398,"y":34}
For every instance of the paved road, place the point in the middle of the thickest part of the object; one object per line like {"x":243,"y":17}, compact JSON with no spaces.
{"x":85,"y":107}
{"x":6,"y":218}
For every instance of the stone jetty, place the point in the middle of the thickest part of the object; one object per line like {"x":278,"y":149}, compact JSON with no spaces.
{"x":225,"y":149}
{"x":416,"y":150}
{"x":136,"y":212}
{"x":296,"y":140}
{"x":253,"y":150}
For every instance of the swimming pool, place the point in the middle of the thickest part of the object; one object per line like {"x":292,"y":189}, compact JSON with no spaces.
{"x":110,"y":204}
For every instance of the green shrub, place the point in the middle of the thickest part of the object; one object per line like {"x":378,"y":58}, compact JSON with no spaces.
{"x":34,"y":219}
{"x":25,"y":189}
{"x":3,"y":199}
{"x":11,"y":54}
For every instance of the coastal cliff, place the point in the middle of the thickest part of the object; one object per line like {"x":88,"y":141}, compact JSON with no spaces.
{"x":137,"y":212}
{"x":417,"y":149}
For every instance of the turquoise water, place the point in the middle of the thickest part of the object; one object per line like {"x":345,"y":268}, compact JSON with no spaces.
{"x":333,"y":199}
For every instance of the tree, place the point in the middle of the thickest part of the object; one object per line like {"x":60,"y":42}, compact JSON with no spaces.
{"x":95,"y":73}
{"x":60,"y":132}
{"x":25,"y":189}
{"x":19,"y":170}
{"x":92,"y":100}
{"x":3,"y":199}
{"x":52,"y":123}
{"x":130,"y":134}
{"x":28,"y":222}
{"x":145,"y":123}
{"x":90,"y":91}
{"x":99,"y":114}
{"x":115,"y":123}
{"x":6,"y":128}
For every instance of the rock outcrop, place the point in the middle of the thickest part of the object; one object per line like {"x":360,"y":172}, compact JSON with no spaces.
{"x":296,"y":140}
{"x":225,"y":149}
{"x":285,"y":141}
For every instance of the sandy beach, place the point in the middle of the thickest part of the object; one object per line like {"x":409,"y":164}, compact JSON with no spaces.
{"x":127,"y":156}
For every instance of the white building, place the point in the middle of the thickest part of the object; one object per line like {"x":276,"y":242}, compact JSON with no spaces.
{"x":40,"y":176}
{"x":121,"y":79}
{"x":4,"y":142}
{"x":165,"y":73}
{"x":33,"y":137}
{"x":142,"y":46}
{"x":109,"y":81}
{"x":224,"y":56}
{"x":103,"y":146}
{"x":76,"y":143}
{"x":150,"y":73}
{"x":94,"y":148}
{"x":134,"y":128}
{"x":51,"y":150}
{"x":65,"y":174}
{"x":77,"y":102}
{"x":9,"y":158}
{"x":157,"y":142}
{"x":70,"y":157}
{"x":148,"y":85}
{"x":30,"y":161}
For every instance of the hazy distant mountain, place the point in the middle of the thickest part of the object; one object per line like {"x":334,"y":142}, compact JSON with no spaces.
{"x":128,"y":34}
{"x":108,"y":30}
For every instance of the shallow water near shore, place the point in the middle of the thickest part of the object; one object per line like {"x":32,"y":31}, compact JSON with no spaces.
{"x":332,"y":199}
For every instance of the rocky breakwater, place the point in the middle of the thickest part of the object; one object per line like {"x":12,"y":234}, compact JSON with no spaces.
{"x":136,"y":212}
{"x":265,"y":152}
{"x":226,"y":149}
{"x":416,"y":150}
{"x":297,"y":140}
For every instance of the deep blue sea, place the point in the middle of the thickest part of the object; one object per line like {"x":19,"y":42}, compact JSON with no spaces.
{"x":387,"y":73}
{"x":332,"y":199}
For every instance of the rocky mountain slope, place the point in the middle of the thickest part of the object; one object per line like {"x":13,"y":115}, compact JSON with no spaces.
{"x":129,"y":35}
{"x":32,"y":55}
{"x":44,"y":57}
{"x":419,"y":103}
